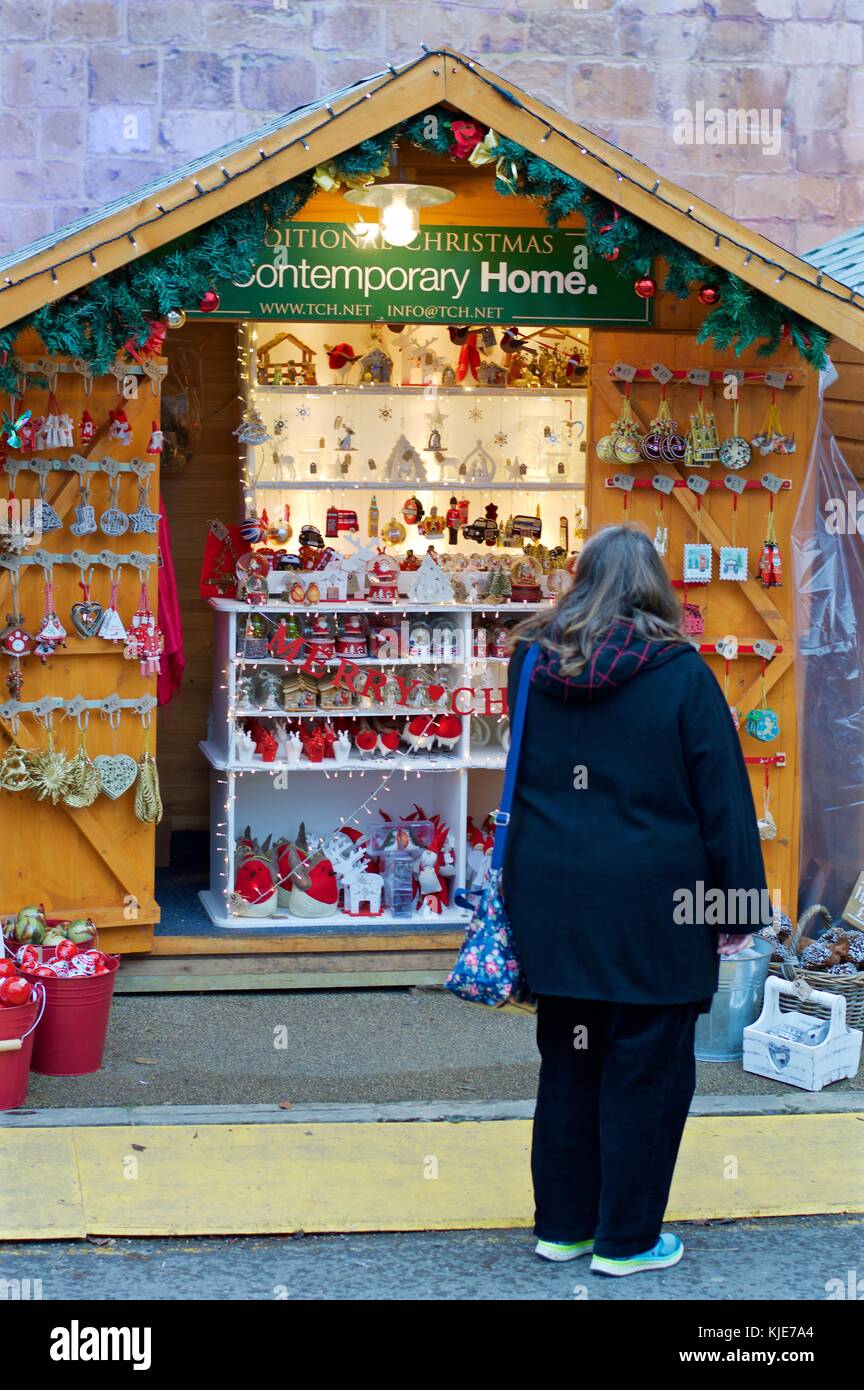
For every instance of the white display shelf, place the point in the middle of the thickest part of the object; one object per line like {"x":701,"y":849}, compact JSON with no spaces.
{"x":489,"y":760}
{"x":288,"y":924}
{"x":427,"y":392}
{"x":373,"y":661}
{"x":228,"y":605}
{"x":349,"y":712}
{"x":383,"y":486}
{"x":399,"y":762}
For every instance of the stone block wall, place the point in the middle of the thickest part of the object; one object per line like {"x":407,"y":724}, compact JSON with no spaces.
{"x":98,"y":96}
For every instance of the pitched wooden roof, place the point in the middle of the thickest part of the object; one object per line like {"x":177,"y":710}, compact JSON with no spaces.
{"x":842,"y":257}
{"x":206,"y":188}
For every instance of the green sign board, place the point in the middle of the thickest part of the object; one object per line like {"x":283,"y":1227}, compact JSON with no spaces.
{"x":522,"y":275}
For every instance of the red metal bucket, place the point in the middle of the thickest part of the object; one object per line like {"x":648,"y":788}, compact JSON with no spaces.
{"x":70,"y":1040}
{"x":16,"y":1049}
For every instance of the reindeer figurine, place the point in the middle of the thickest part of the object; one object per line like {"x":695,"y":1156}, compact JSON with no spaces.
{"x":244,"y":746}
{"x":351,"y":865}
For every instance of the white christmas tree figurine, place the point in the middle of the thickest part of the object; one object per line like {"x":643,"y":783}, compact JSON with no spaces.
{"x":431,"y":584}
{"x":404,"y":464}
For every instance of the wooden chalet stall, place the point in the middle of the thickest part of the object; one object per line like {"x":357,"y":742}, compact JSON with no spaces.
{"x":532,"y":431}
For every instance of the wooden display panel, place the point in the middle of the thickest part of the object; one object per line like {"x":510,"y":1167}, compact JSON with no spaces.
{"x":99,"y":861}
{"x":746,"y":610}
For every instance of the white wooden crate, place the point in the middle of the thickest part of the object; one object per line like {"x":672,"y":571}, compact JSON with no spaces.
{"x":777,"y":1045}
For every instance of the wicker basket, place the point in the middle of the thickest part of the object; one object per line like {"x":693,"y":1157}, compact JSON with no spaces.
{"x":850,"y":986}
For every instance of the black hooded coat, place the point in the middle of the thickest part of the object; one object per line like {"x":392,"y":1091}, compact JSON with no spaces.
{"x":596,"y":876}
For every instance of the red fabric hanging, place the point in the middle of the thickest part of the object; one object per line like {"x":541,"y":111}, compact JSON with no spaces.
{"x":173,"y":658}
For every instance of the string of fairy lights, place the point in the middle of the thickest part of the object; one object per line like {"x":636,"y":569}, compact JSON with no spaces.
{"x":849,"y":295}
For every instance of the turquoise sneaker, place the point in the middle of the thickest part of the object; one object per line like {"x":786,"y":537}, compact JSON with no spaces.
{"x":554,"y":1250}
{"x":668,"y":1251}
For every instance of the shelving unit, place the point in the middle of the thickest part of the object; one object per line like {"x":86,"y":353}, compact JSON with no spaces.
{"x":493,"y":432}
{"x":273,"y":797}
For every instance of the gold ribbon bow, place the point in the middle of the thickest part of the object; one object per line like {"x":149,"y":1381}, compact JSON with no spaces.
{"x":487,"y":153}
{"x":328,"y":177}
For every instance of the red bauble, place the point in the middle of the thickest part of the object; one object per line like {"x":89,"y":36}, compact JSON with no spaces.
{"x":645,"y":287}
{"x":210,"y":301}
{"x":710,"y":295}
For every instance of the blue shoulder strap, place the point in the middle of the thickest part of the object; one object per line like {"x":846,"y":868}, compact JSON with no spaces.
{"x":502,"y":815}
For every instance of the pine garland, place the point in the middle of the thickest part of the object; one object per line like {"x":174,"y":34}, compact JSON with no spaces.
{"x":96,"y":322}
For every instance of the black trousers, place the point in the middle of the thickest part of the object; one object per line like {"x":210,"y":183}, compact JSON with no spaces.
{"x":616,"y":1081}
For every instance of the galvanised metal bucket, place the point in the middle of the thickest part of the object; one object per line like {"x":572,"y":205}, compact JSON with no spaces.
{"x":720,"y":1033}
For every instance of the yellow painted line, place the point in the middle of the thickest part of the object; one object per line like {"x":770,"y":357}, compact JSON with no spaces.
{"x":266,"y":1179}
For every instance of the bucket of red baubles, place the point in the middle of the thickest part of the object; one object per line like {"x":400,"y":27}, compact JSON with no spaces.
{"x":56,"y":988}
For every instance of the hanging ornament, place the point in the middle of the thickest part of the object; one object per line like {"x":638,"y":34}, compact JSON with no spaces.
{"x":86,"y":615}
{"x":703,"y":442}
{"x":175,"y":318}
{"x":469,"y":357}
{"x":114,"y":521}
{"x":111,"y":627}
{"x":710,"y":295}
{"x":770,"y":574}
{"x":15,"y":679}
{"x":85,"y":514}
{"x":82,"y":783}
{"x":14,"y":770}
{"x":664,"y":441}
{"x":15,"y":640}
{"x":624,"y":443}
{"x":735,"y":452}
{"x":38,"y":433}
{"x":146,"y":641}
{"x":51,"y":633}
{"x":12,"y":427}
{"x":763,"y":723}
{"x":645,"y":287}
{"x":771,"y":439}
{"x":766,"y":823}
{"x":413,"y":511}
{"x":156,"y":442}
{"x":252,"y":429}
{"x":148,"y":801}
{"x":119,"y":430}
{"x":49,"y":771}
{"x":86,"y":429}
{"x":209,"y":302}
{"x":453,"y":521}
{"x":144,"y":521}
{"x":58,"y":429}
{"x":693,"y":624}
{"x":48,"y":518}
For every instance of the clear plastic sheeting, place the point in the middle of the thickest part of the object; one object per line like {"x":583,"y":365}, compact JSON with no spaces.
{"x":828,"y":572}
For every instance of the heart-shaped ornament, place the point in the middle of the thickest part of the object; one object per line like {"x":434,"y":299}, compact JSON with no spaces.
{"x":87,"y":617}
{"x":436,"y":693}
{"x":117,"y":773}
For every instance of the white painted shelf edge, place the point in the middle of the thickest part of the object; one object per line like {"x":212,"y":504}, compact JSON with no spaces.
{"x":337,"y":922}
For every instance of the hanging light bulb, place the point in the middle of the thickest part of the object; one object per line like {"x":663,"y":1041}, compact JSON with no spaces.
{"x":399,"y":222}
{"x":399,"y":204}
